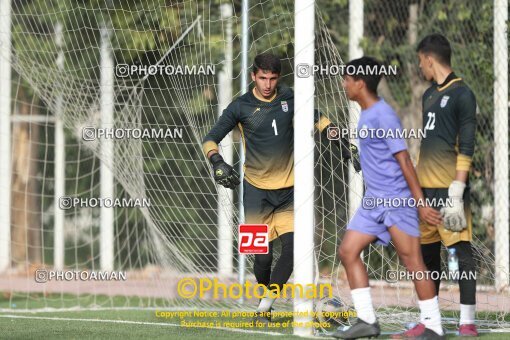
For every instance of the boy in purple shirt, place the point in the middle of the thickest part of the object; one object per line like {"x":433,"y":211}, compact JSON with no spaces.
{"x":388,"y":174}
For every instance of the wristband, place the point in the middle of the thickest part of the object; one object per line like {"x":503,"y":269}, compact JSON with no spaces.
{"x":215,"y":159}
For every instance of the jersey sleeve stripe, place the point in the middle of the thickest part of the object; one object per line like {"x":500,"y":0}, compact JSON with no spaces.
{"x":463,"y":162}
{"x":322,"y":123}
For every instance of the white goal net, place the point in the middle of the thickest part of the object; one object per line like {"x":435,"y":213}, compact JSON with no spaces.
{"x":110,"y":102}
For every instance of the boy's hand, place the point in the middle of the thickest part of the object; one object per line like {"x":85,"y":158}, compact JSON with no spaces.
{"x":430,"y":215}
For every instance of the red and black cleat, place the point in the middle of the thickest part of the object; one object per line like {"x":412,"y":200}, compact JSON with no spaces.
{"x":419,"y":332}
{"x":468,"y":330}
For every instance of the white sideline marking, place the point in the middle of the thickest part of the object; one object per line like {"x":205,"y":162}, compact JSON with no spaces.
{"x":7,"y":316}
{"x":99,"y":308}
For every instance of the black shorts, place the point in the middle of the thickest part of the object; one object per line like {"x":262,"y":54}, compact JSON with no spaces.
{"x":272,"y":207}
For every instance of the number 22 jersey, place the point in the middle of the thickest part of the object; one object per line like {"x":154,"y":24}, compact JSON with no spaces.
{"x":449,"y":124}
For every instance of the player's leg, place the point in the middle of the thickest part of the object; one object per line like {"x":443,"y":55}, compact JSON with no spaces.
{"x":431,"y":237}
{"x":281,"y":271}
{"x":258,"y":211}
{"x":404,"y":229}
{"x":364,"y":228}
{"x":349,"y":252}
{"x":262,"y":266}
{"x":262,"y":271}
{"x":432,"y":257}
{"x":282,"y":223}
{"x":467,"y":286}
{"x":409,"y":251}
{"x":283,"y":267}
{"x":461,"y":241}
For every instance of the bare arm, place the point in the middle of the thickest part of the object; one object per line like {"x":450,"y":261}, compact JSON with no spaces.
{"x":461,"y":175}
{"x":428,"y":214}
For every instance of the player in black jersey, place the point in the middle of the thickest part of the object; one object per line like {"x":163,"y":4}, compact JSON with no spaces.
{"x":449,"y":108}
{"x":265,"y":118}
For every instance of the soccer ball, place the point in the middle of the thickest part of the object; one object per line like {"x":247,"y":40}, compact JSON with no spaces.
{"x":332,"y":313}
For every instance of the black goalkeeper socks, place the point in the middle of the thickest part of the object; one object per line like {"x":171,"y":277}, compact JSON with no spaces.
{"x":262,"y":266}
{"x":283,"y":268}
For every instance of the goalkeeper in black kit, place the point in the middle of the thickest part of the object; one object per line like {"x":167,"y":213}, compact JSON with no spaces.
{"x":265,"y":117}
{"x":449,"y":108}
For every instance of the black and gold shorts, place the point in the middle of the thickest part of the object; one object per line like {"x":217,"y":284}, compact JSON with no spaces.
{"x":431,"y":233}
{"x":272,"y":207}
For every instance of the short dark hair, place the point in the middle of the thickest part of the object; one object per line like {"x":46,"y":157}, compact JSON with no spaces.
{"x":371,"y":80}
{"x":267,"y":62}
{"x":438,"y":45}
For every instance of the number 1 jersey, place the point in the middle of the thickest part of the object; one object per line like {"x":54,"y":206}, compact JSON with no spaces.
{"x":268,"y":137}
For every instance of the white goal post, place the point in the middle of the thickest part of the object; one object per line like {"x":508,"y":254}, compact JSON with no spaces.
{"x":501,"y":173}
{"x":5,"y":134}
{"x":52,"y":86}
{"x":304,"y":147}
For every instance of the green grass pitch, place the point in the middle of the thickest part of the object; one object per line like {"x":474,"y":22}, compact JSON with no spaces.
{"x":125,"y":323}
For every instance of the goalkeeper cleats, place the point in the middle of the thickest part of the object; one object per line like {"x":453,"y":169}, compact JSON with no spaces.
{"x":468,"y":330}
{"x":419,"y":332}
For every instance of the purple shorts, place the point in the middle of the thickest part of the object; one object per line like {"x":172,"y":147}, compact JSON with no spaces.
{"x":377,"y":221}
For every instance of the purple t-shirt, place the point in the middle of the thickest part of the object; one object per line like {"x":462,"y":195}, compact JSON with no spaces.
{"x":381,"y":172}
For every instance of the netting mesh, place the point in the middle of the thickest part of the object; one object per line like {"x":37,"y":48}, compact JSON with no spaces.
{"x":177,"y":235}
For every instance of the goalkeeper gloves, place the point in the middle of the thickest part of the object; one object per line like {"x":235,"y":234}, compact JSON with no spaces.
{"x":224,"y":174}
{"x":453,"y":216}
{"x":347,"y":150}
{"x":350,"y":151}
